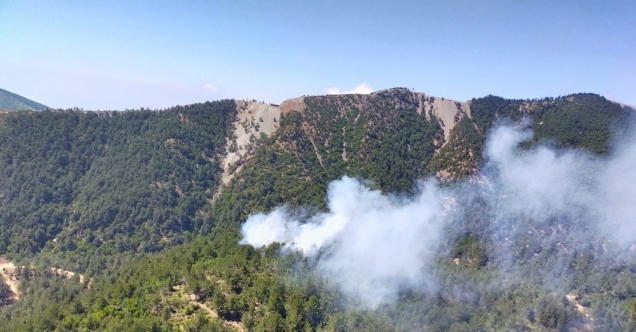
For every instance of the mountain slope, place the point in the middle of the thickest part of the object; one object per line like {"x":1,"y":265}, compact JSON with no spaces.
{"x":395,"y":138}
{"x":88,"y":183}
{"x":13,"y":102}
{"x":140,"y":180}
{"x":582,"y":121}
{"x":85,"y":190}
{"x":380,"y":137}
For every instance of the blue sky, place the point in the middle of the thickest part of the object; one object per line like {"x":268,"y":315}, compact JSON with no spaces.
{"x":131,"y":54}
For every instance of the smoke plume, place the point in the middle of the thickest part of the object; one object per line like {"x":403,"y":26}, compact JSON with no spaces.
{"x":370,"y":244}
{"x":524,"y":201}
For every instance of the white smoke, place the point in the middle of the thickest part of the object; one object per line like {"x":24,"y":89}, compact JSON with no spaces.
{"x":540,"y":183}
{"x":375,"y":245}
{"x":619,"y":196}
{"x":547,"y":186}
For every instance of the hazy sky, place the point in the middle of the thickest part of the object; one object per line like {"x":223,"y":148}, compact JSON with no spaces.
{"x":130,"y":54}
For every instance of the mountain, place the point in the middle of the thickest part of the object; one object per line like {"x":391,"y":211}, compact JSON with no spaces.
{"x":395,"y":138}
{"x":12,"y":102}
{"x":149,"y":207}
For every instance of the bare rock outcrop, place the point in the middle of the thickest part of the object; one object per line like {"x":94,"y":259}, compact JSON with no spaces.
{"x":254,"y":121}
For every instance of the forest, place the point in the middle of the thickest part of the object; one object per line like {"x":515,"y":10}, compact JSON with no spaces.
{"x":133,"y":202}
{"x":87,"y":185}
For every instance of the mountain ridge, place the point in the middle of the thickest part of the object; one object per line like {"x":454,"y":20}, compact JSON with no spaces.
{"x":10,"y":101}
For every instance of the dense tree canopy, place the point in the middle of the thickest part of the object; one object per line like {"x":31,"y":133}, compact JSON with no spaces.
{"x":107,"y":182}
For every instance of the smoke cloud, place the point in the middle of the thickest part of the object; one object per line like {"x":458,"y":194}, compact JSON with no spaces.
{"x":524,"y":200}
{"x":371,"y":244}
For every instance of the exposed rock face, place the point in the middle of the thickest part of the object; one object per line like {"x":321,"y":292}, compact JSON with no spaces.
{"x":296,"y":104}
{"x":253,"y":120}
{"x":447,"y":111}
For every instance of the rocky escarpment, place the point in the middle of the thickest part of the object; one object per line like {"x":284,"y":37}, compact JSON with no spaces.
{"x":253,"y":124}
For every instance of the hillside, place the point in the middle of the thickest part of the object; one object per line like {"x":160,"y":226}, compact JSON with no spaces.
{"x":12,"y":102}
{"x":395,"y":138}
{"x":149,"y":205}
{"x":82,"y":184}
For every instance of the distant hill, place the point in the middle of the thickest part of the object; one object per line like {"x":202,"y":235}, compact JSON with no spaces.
{"x":14,"y":102}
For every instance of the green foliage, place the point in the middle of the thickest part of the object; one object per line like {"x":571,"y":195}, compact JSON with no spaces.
{"x":164,"y":291}
{"x":6,"y":295}
{"x":380,"y":138}
{"x":462,"y":154}
{"x":584,"y":121}
{"x":101,"y":183}
{"x":485,"y":111}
